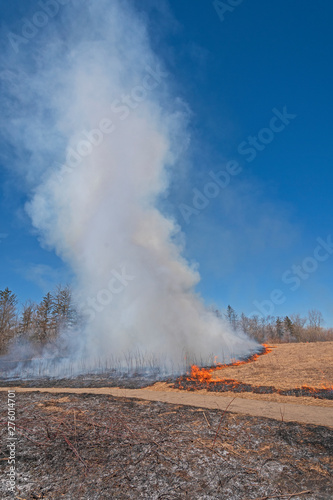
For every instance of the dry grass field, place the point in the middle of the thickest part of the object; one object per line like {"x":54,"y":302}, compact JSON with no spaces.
{"x":288,"y":366}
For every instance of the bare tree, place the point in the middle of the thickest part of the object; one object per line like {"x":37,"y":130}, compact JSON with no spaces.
{"x":244,"y":323}
{"x":315,"y":318}
{"x":298,"y":327}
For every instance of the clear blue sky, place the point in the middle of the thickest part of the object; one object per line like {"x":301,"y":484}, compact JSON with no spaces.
{"x":232,"y":72}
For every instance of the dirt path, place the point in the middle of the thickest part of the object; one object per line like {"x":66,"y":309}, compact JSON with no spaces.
{"x":289,"y":412}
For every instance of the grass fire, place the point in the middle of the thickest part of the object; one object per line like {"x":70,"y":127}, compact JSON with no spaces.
{"x":202,"y":433}
{"x":166,"y":250}
{"x":211,"y":380}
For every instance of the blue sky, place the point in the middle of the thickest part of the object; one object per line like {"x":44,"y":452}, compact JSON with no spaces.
{"x":232,"y":73}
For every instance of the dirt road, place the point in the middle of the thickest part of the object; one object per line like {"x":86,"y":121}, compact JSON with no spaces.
{"x":289,"y":412}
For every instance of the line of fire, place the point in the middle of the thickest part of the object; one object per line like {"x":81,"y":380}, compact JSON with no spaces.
{"x":207,"y":378}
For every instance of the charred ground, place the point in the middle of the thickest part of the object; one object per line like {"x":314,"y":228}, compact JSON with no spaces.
{"x":228,"y":385}
{"x":101,"y":447}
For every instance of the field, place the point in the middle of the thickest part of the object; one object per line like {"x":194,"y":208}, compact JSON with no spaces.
{"x":110,"y":443}
{"x":287,"y":366}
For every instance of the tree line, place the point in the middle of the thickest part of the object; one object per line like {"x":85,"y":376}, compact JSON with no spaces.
{"x":40,"y":324}
{"x":293,"y":328}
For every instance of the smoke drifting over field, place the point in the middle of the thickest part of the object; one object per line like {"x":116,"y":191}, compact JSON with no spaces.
{"x":98,"y":135}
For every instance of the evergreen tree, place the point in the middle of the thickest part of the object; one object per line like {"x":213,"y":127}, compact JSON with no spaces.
{"x":63,"y":311}
{"x":231,"y":317}
{"x":28,"y":324}
{"x":289,"y":329}
{"x":45,"y":324}
{"x":8,"y":318}
{"x":279,"y":328}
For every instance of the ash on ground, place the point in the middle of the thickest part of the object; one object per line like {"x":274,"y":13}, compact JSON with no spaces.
{"x":128,"y":381}
{"x":93,"y":447}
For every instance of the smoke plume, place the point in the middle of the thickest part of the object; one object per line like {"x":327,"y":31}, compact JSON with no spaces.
{"x":97,"y":133}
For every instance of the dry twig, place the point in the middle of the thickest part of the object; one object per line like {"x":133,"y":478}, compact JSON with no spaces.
{"x":285,"y":495}
{"x":233,"y":399}
{"x":206,"y":419}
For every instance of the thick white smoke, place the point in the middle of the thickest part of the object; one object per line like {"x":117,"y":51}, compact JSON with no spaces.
{"x":101,"y":131}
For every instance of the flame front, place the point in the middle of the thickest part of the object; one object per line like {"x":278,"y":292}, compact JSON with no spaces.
{"x":205,"y":374}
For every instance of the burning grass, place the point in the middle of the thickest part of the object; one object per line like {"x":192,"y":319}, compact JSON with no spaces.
{"x":101,"y":447}
{"x":287,"y":364}
{"x":206,"y":374}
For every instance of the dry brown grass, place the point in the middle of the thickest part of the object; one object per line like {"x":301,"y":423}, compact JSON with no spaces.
{"x":288,"y":366}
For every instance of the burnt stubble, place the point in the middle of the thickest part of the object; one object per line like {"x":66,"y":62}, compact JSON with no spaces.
{"x":101,"y":447}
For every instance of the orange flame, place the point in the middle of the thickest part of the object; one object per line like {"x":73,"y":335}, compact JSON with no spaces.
{"x":205,"y":374}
